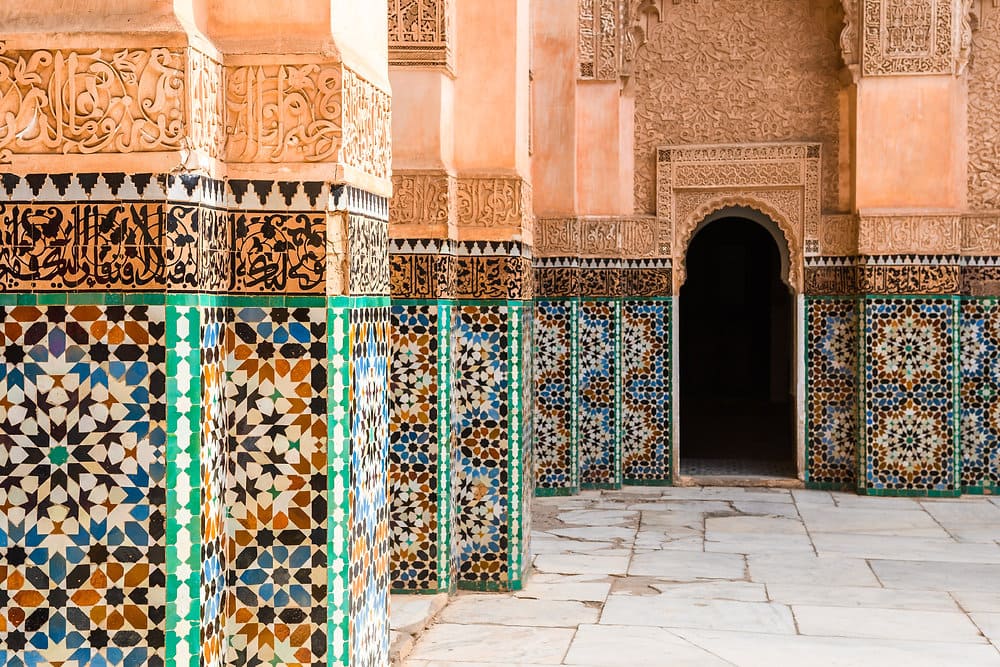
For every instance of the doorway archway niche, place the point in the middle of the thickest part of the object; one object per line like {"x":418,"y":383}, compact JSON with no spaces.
{"x":773,"y":184}
{"x":736,"y":379}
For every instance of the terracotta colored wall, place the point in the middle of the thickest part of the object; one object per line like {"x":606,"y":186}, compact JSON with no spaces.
{"x":554,"y":108}
{"x":598,"y":148}
{"x":911,"y":146}
{"x":423,"y":121}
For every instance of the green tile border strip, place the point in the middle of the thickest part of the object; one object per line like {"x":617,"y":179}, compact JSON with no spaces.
{"x":183,"y":479}
{"x":619,"y":406}
{"x":515,"y":448}
{"x":338,"y":312}
{"x":445,"y":451}
{"x":553,"y":492}
{"x":574,"y":383}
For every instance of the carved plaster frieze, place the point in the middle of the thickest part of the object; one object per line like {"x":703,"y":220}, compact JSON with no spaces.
{"x":367,"y":123}
{"x":981,"y":234}
{"x":911,"y":36}
{"x":781,"y":181}
{"x":599,"y":39}
{"x":91,"y":101}
{"x":919,"y":234}
{"x":207,"y":102}
{"x":602,"y":237}
{"x":421,"y":33}
{"x":423,"y":199}
{"x":494,"y":201}
{"x":838,"y":236}
{"x":283,"y":112}
{"x":984,"y":121}
{"x":557,"y":237}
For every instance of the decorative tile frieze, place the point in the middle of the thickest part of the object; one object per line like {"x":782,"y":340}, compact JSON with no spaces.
{"x":555,"y":397}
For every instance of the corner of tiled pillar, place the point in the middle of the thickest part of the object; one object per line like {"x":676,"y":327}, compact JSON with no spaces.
{"x":164,"y":271}
{"x":422,"y":247}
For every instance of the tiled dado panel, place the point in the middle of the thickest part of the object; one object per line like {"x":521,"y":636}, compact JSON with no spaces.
{"x":83,"y":555}
{"x":492,"y":472}
{"x":980,"y":394}
{"x":909,"y":439}
{"x":555,"y":397}
{"x":831,"y":392}
{"x":600,"y":418}
{"x":647,"y":391}
{"x":420,"y":447}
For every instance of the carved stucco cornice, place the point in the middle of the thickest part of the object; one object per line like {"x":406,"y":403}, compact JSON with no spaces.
{"x":422,"y":33}
{"x":625,"y":237}
{"x":981,"y":234}
{"x":921,"y":233}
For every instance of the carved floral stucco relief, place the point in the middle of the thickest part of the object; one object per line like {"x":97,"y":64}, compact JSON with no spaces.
{"x":782,"y":181}
{"x":602,"y":237}
{"x":91,"y":101}
{"x":908,"y":36}
{"x":494,"y":201}
{"x":984,"y":119}
{"x":721,"y":72}
{"x":421,"y":33}
{"x":918,"y":234}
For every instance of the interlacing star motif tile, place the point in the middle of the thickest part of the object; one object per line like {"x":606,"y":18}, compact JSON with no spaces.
{"x":832,"y":353}
{"x":980,"y":368}
{"x":553,"y":396}
{"x":82,"y":502}
{"x":646,"y":396}
{"x":909,"y":394}
{"x":599,"y":364}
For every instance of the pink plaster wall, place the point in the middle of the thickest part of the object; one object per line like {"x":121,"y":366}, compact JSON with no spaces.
{"x":423,"y":135}
{"x":911,"y":142}
{"x":553,"y":164}
{"x":599,"y":148}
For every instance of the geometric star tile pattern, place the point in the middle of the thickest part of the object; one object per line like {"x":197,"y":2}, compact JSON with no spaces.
{"x":82,"y":498}
{"x":980,"y":394}
{"x":910,"y":391}
{"x":832,"y":362}
{"x":646,"y":396}
{"x":599,"y":391}
{"x":555,"y":398}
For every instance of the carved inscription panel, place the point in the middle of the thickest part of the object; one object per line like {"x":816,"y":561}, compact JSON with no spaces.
{"x":739,"y":71}
{"x":908,"y":36}
{"x":984,"y":119}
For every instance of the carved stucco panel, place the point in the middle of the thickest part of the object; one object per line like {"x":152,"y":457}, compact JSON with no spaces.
{"x":367,"y":127}
{"x":981,"y":234}
{"x":717,"y":72}
{"x":489,"y":201}
{"x":421,"y":33}
{"x":423,"y":199}
{"x":984,"y":119}
{"x":925,"y":234}
{"x":908,"y":37}
{"x":838,"y":236}
{"x":94,"y":101}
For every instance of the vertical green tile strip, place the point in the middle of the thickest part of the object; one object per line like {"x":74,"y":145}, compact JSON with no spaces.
{"x":956,"y":389}
{"x":574,"y":382}
{"x":862,"y":417}
{"x":338,"y":482}
{"x":618,"y":404}
{"x":445,"y":507}
{"x":183,"y":533}
{"x":514,"y":445}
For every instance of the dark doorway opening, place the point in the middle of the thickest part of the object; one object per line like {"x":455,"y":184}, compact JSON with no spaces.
{"x":736,"y":327}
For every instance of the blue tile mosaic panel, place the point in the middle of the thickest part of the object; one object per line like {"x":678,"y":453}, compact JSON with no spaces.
{"x":980,"y":394}
{"x":910,"y":438}
{"x":555,"y":403}
{"x":831,"y":391}
{"x":646,"y":391}
{"x":420,"y":447}
{"x":369,"y":523}
{"x":82,"y":446}
{"x":600,"y":394}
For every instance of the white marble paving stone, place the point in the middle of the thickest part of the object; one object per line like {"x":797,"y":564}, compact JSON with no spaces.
{"x":756,"y":525}
{"x":497,"y":610}
{"x":874,"y":623}
{"x":989,"y":624}
{"x":687,"y":565}
{"x":737,"y":591}
{"x":631,"y":646}
{"x":756,"y":650}
{"x":809,"y":569}
{"x":589,"y":518}
{"x":665,"y":611}
{"x":872,"y":521}
{"x":966,"y":521}
{"x":767,"y":508}
{"x":485,"y":643}
{"x":583,"y":592}
{"x":987,"y":599}
{"x":748,"y":543}
{"x":410,"y":613}
{"x":847,"y":500}
{"x":859,"y":596}
{"x":595,"y":533}
{"x":904,"y":547}
{"x":937,"y":575}
{"x":811,"y":497}
{"x":582,"y":564}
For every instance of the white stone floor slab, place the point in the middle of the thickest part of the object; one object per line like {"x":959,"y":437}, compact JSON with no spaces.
{"x":732,"y":576}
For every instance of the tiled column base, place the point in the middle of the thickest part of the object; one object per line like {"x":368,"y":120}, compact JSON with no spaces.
{"x":555,"y":397}
{"x":647,"y":391}
{"x":980,"y":394}
{"x":600,"y":376}
{"x":493,"y":436}
{"x":420,"y":450}
{"x":909,"y":397}
{"x":831,"y":392}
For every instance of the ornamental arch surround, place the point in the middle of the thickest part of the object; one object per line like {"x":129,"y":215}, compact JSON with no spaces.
{"x":779,"y":180}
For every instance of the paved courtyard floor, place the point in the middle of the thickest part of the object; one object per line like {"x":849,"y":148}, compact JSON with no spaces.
{"x":731,"y":576}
